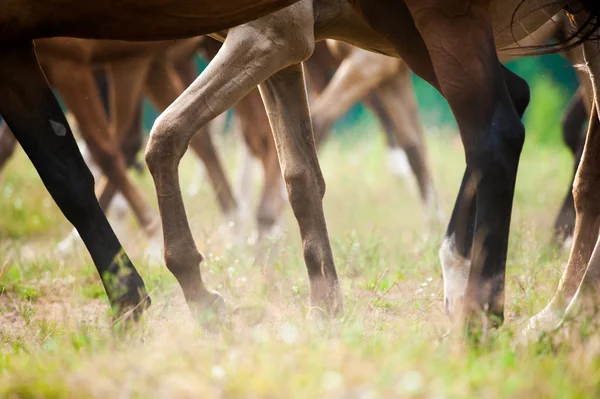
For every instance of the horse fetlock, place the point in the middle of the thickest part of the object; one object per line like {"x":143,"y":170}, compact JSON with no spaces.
{"x":484,"y":303}
{"x":207,"y":307}
{"x":455,"y":271}
{"x":547,"y":320}
{"x":326,"y":295}
{"x":180,"y":260}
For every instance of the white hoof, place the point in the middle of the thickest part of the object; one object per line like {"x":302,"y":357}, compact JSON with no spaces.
{"x":455,"y":269}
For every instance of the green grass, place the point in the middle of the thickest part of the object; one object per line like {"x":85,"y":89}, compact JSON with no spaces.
{"x":56,"y":339}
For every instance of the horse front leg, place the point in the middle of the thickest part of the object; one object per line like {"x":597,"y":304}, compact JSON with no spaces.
{"x":251,"y":53}
{"x":35,"y":117}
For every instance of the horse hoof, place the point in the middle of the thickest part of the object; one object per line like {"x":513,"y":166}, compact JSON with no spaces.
{"x":130,"y":306}
{"x":455,"y":269}
{"x":546,"y":321}
{"x":208,"y":309}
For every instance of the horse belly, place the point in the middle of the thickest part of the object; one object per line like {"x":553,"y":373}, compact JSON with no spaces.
{"x":131,"y":20}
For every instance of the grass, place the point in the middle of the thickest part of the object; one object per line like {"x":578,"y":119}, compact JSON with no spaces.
{"x":56,"y":339}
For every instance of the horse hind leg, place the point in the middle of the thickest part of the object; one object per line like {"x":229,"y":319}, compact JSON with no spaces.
{"x":305,"y":185}
{"x":33,"y":114}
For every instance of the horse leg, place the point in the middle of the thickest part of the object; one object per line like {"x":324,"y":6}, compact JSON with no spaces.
{"x":74,"y":82}
{"x":572,"y":124}
{"x":163,"y":86}
{"x":304,"y":181}
{"x":257,"y":134}
{"x":35,"y":117}
{"x":271,"y":47}
{"x":126,"y":81}
{"x":585,"y":191}
{"x":397,"y":158}
{"x":492,"y":134}
{"x":357,"y":75}
{"x":399,"y":99}
{"x":587,"y":222}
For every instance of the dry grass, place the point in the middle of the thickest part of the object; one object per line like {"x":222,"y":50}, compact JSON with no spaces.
{"x":56,"y":340}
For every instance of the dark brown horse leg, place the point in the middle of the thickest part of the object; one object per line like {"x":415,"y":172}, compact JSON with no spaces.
{"x":490,"y":129}
{"x":306,"y":187}
{"x":32,"y":112}
{"x":399,"y":99}
{"x":573,"y":123}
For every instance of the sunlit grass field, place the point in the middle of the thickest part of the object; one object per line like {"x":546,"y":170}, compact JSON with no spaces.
{"x":56,"y":338}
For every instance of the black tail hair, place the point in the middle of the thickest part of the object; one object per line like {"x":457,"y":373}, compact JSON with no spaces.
{"x":570,"y":38}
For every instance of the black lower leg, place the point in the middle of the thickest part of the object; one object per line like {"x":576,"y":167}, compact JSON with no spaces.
{"x":35,"y":117}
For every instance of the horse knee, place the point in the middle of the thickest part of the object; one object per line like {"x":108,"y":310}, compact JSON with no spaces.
{"x":163,"y":150}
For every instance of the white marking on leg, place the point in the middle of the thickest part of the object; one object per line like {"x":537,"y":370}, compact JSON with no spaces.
{"x":59,"y":129}
{"x":398,"y":162}
{"x":455,"y":269}
{"x":568,"y":243}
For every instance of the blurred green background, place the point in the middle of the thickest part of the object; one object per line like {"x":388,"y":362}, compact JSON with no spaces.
{"x":551,"y":78}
